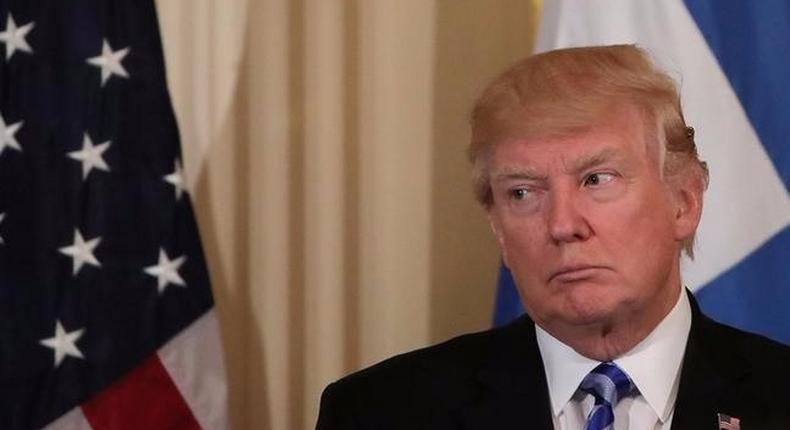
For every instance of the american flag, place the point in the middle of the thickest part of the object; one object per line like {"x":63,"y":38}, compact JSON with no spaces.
{"x":106,"y":312}
{"x":727,"y":422}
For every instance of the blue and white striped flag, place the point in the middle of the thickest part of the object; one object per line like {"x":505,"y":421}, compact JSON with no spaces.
{"x":731,"y":60}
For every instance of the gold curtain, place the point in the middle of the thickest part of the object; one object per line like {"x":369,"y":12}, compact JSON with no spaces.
{"x":324,"y":142}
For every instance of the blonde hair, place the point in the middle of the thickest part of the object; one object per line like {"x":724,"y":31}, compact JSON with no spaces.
{"x":565,"y":91}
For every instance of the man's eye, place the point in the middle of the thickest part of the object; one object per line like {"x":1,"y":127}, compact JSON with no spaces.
{"x":596,"y":179}
{"x":519,"y":193}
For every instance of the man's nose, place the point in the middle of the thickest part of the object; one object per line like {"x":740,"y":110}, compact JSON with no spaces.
{"x":566,"y":223}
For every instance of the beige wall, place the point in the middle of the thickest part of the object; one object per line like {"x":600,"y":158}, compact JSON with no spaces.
{"x":324,"y":141}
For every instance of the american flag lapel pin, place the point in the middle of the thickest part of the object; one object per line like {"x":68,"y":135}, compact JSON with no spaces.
{"x":727,"y":422}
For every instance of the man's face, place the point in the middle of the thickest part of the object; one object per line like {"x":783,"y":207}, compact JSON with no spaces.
{"x":587,"y":226}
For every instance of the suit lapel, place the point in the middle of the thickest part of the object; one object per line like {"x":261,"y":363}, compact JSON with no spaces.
{"x":709,"y":378}
{"x":514,"y":392}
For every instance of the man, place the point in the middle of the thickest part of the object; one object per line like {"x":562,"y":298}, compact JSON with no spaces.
{"x":593,"y":187}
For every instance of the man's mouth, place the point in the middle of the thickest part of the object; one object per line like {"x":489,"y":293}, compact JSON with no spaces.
{"x":575,"y":272}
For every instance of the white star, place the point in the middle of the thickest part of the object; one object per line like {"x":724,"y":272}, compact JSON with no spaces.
{"x":14,"y":37}
{"x":63,"y":343}
{"x":176,"y":179}
{"x":110,"y":62}
{"x":166,"y":271}
{"x":7,"y":135}
{"x":90,"y":156}
{"x":2,"y":215}
{"x":81,"y":252}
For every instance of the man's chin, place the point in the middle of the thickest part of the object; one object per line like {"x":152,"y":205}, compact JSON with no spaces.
{"x":587,"y":317}
{"x":602,"y":318}
{"x":594,"y":308}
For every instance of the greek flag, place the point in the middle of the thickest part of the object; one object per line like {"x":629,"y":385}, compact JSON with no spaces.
{"x":731,"y":60}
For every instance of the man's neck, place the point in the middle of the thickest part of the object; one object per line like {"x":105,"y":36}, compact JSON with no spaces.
{"x":653,"y":364}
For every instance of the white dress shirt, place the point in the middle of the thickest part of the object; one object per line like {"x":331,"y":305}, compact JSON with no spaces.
{"x":653,"y":365}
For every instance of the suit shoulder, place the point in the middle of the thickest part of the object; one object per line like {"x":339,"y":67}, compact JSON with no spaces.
{"x":451,"y":364}
{"x":463,"y":352}
{"x":423,"y":386}
{"x":753,"y":340}
{"x":767,"y":354}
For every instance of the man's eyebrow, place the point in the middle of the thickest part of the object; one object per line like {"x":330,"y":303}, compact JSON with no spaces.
{"x":517,"y":172}
{"x":591,"y":160}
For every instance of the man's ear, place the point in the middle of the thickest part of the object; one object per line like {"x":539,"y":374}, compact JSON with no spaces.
{"x":493,"y":221}
{"x":687,"y":195}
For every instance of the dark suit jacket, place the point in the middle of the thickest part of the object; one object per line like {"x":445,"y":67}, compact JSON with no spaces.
{"x":495,"y":380}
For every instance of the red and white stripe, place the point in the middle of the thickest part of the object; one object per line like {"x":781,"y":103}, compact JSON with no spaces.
{"x":181,"y":387}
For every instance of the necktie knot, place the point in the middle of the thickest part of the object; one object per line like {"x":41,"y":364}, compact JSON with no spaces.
{"x":608,"y":384}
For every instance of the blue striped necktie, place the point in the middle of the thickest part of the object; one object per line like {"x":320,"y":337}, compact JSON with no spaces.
{"x":608,"y":384}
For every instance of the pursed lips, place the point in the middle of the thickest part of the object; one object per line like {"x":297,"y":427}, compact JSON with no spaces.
{"x":575,"y":272}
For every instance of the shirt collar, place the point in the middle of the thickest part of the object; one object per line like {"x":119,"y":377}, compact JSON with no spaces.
{"x":653,"y":364}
